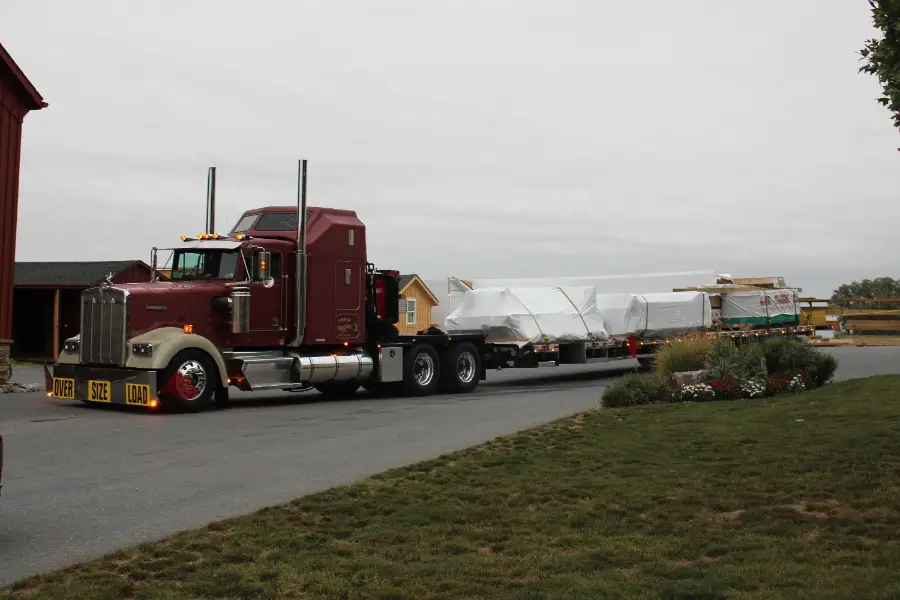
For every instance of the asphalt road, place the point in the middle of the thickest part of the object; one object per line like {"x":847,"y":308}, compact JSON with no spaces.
{"x":82,"y":481}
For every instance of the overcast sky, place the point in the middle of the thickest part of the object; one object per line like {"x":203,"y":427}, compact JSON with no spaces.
{"x":475,"y":139}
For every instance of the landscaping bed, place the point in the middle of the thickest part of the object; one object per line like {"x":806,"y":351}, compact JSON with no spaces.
{"x":704,"y":367}
{"x":791,"y":496}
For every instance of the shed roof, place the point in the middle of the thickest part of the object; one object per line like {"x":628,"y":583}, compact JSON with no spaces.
{"x":69,"y":273}
{"x":34,"y":101}
{"x":405,"y":280}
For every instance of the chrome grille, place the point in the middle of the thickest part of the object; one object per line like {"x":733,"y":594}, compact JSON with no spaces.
{"x":104,"y":314}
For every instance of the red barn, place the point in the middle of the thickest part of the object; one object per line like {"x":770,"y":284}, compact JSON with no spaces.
{"x":47,"y":304}
{"x":17,"y":98}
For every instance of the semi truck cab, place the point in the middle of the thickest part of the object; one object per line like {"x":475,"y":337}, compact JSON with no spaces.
{"x":286,"y":300}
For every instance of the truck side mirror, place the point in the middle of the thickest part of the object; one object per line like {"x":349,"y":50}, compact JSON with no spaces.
{"x":263,"y":260}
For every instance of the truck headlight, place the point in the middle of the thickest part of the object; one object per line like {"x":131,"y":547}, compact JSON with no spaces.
{"x":72,"y":346}
{"x":142,"y":349}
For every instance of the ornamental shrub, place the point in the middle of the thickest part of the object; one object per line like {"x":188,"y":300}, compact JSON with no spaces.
{"x":743,"y":362}
{"x":823,"y":369}
{"x":635,"y":389}
{"x":791,"y":357}
{"x":689,"y":354}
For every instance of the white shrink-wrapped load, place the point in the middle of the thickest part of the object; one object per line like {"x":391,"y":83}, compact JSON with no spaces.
{"x":672,"y":313}
{"x":760,"y":308}
{"x":530,"y":315}
{"x":613,"y":307}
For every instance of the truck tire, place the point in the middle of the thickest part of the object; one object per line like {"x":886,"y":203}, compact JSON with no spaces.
{"x":189,"y":381}
{"x":340,"y":390}
{"x":460,"y":368}
{"x":421,"y":371}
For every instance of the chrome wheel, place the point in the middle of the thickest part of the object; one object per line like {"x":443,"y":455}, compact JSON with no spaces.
{"x":190,"y":380}
{"x":424,"y":369}
{"x":465,"y":367}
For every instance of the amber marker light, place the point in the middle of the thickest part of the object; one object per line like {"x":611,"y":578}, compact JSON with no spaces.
{"x":154,"y":403}
{"x":189,"y":329}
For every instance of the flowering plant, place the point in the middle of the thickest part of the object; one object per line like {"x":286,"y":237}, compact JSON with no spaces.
{"x":752,"y":389}
{"x":727,"y":387}
{"x":798,"y":382}
{"x":776,"y":383}
{"x":699,"y":392}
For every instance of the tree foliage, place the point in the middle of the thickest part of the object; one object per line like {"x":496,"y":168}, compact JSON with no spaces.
{"x":880,"y":287}
{"x":882,"y":56}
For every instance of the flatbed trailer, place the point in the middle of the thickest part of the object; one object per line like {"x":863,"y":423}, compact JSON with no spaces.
{"x":504,"y":355}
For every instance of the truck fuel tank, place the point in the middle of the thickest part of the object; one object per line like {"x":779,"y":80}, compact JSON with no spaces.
{"x":316,"y":370}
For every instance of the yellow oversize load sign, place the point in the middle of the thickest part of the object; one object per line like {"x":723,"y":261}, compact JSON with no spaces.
{"x":137,"y":394}
{"x":63,"y":388}
{"x":98,"y":391}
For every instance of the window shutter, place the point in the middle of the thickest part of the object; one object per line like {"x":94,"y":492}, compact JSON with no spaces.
{"x":402,"y":305}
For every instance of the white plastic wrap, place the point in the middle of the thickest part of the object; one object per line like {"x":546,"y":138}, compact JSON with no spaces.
{"x":632,"y":283}
{"x":760,"y":308}
{"x":662,"y":315}
{"x":531,"y":315}
{"x":449,"y":291}
{"x":613,"y":307}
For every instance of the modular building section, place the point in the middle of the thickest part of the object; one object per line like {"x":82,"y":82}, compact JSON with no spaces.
{"x":760,"y":308}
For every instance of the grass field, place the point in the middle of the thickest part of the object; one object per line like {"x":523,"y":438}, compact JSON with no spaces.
{"x":790,"y":497}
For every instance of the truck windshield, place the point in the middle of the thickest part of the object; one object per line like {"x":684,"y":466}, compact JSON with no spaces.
{"x":204,"y":264}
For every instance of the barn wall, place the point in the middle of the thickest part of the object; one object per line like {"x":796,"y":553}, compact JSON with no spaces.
{"x":12,"y":111}
{"x":136,"y":274}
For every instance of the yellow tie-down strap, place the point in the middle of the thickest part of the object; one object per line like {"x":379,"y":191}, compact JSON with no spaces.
{"x":536,"y":322}
{"x":580,"y":315}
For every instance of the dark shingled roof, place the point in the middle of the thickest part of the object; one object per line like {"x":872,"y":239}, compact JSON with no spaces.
{"x":68,"y":273}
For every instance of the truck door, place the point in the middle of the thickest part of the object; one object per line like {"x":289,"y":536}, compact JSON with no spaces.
{"x":349,"y":292}
{"x":267,"y":305}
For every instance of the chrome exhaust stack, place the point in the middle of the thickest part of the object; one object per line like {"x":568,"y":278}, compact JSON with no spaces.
{"x":211,"y":201}
{"x":300,"y":300}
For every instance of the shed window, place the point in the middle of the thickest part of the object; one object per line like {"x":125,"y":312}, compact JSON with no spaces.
{"x":410,"y":311}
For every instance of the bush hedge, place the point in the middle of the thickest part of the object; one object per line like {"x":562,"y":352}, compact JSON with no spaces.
{"x":685,"y":355}
{"x":734,"y":371}
{"x":635,"y":389}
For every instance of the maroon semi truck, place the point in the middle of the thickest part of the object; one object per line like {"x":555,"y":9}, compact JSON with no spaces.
{"x":285,"y":301}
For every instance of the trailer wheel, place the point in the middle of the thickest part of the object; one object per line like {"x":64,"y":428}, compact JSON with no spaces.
{"x":461,"y":366}
{"x":421,"y":371}
{"x":189,"y":381}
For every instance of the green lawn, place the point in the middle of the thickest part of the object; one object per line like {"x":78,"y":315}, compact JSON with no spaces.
{"x":791,"y":497}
